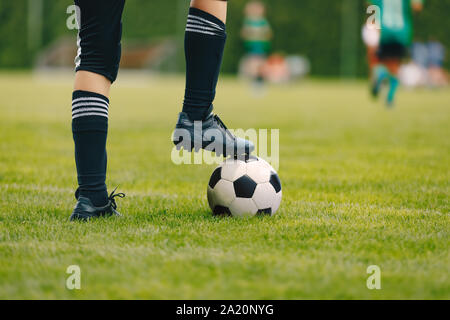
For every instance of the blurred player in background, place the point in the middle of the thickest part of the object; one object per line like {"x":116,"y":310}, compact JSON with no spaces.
{"x":257,"y":34}
{"x":395,"y":39}
{"x":438,"y":77}
{"x":427,"y":65}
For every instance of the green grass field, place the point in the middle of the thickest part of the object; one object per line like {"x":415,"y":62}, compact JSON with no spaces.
{"x":362,"y":186}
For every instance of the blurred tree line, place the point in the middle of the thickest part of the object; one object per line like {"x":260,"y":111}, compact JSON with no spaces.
{"x":326,"y":31}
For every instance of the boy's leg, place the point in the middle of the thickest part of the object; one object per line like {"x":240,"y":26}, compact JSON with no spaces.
{"x":393,"y":86}
{"x":204,"y":45}
{"x":93,"y":82}
{"x":97,"y":65}
{"x":390,"y":55}
{"x":217,"y":8}
{"x":393,"y":65}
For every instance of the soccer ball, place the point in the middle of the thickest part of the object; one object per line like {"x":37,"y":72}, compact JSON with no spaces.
{"x":244,"y":188}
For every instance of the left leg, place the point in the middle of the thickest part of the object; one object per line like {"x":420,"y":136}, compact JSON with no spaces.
{"x":97,"y":64}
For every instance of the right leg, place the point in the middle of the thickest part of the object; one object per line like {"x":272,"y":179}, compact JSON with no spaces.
{"x":204,"y":45}
{"x":97,"y":65}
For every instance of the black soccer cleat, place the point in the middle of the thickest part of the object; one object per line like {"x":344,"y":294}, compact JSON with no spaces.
{"x":210,"y":134}
{"x":84,"y":209}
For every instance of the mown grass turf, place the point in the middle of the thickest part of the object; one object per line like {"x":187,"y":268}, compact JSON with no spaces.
{"x":362,"y":186}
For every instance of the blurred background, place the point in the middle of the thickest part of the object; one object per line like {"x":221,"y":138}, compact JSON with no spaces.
{"x":321,"y":37}
{"x":361,"y":185}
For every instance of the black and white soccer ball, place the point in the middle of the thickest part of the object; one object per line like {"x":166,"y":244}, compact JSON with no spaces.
{"x":244,"y":188}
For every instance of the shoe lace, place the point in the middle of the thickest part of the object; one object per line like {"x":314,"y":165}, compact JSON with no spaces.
{"x":221,"y":124}
{"x":112,"y":197}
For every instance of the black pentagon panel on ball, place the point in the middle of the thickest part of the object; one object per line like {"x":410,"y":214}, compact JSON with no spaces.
{"x":275,"y":182}
{"x":221,"y":211}
{"x":264,"y":212}
{"x":215,"y":177}
{"x":244,"y":187}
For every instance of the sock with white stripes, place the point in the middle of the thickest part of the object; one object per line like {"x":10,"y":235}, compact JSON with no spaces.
{"x":90,"y":130}
{"x":204,"y":44}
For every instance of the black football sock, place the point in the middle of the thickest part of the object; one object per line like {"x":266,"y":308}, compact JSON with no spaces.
{"x":90,"y":130}
{"x":204,"y":43}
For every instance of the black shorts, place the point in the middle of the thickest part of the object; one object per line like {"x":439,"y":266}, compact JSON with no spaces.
{"x":392,"y":50}
{"x":99,"y":37}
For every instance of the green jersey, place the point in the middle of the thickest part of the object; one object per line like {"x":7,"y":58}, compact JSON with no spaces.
{"x":257,"y":34}
{"x":396,"y":20}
